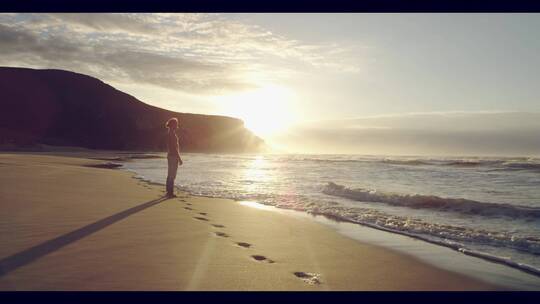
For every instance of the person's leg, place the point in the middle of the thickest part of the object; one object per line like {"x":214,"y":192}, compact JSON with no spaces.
{"x":174,"y":170}
{"x":170,"y":181}
{"x":171,"y":174}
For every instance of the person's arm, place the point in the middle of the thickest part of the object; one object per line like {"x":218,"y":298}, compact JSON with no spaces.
{"x":171,"y":143}
{"x":177,"y":146}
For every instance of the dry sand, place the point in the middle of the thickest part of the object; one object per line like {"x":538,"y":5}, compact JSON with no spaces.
{"x":65,"y":226}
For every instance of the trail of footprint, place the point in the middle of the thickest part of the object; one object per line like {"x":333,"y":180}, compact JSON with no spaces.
{"x":200,"y":218}
{"x":262,"y":258}
{"x":218,"y":225}
{"x":243,"y":244}
{"x":310,"y":278}
{"x":221,"y":234}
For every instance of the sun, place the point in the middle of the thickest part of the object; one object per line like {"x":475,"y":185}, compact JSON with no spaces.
{"x":265,"y":111}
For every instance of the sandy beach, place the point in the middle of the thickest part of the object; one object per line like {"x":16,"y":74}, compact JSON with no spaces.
{"x":65,"y":225}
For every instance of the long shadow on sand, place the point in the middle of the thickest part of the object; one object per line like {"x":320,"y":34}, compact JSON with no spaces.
{"x":29,"y":255}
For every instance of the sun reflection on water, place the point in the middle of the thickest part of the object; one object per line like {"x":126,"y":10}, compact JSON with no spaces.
{"x":256,"y":205}
{"x":254,"y":175}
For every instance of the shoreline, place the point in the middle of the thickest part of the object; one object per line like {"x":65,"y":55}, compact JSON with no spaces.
{"x":522,"y":273}
{"x":521,"y":278}
{"x":288,"y":253}
{"x":441,"y":257}
{"x":464,"y":249}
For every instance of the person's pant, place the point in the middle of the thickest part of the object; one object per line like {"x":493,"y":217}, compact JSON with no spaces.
{"x":171,"y":173}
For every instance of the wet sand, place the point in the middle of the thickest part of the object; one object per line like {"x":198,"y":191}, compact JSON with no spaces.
{"x":67,"y":225}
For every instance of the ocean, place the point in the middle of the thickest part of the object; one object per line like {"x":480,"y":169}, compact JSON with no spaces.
{"x":488,"y":207}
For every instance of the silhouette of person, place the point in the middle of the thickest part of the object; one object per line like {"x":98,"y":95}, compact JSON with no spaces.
{"x":173,"y":155}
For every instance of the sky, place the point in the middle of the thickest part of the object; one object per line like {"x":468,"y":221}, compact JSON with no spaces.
{"x":314,"y":83}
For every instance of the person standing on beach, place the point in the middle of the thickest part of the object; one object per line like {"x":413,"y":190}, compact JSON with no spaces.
{"x":173,"y":155}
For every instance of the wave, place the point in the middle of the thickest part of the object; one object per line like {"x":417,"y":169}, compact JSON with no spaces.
{"x":535,"y":166}
{"x":459,"y":205}
{"x":331,"y":160}
{"x":442,"y":162}
{"x":499,"y":164}
{"x":410,"y":162}
{"x":472,"y":163}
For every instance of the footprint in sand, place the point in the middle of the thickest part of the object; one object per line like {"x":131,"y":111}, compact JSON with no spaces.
{"x":201,"y":218}
{"x":203,"y":213}
{"x":218,"y":226}
{"x":243,"y":244}
{"x":221,"y":234}
{"x":187,"y":208}
{"x":183,"y":200}
{"x":189,"y":204}
{"x":310,"y":278}
{"x":262,"y":258}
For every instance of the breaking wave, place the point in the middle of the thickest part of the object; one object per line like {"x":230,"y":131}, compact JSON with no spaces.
{"x":459,"y":205}
{"x":522,"y":166}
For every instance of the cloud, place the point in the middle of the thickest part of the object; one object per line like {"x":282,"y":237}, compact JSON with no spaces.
{"x":130,"y":23}
{"x":450,"y":133}
{"x":444,"y":121}
{"x":16,"y":42}
{"x":193,"y":53}
{"x":170,"y":72}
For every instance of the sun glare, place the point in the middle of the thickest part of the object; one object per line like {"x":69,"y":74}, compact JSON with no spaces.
{"x":265,"y":111}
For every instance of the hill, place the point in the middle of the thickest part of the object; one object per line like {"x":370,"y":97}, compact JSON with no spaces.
{"x":63,"y":108}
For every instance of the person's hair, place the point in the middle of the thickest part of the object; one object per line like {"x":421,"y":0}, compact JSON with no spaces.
{"x":172,"y":123}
